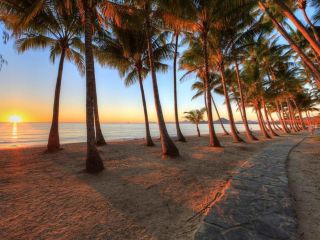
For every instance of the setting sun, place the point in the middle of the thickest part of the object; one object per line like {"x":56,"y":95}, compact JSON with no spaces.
{"x":15,"y":119}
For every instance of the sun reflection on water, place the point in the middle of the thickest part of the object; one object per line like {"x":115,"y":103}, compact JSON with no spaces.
{"x":14,"y":130}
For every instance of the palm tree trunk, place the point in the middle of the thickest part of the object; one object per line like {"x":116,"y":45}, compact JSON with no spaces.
{"x":261,"y":123}
{"x":287,"y":118}
{"x":149,"y":141}
{"x":296,"y":119}
{"x":273,"y":133}
{"x":287,"y":12}
{"x":249,"y":135}
{"x":236,"y":100}
{"x":308,"y":117}
{"x":274,"y":124}
{"x":284,"y":126}
{"x":94,"y":162}
{"x":291,"y":116}
{"x":314,"y":31}
{"x":205,"y":99}
{"x":300,"y":115}
{"x":100,"y":141}
{"x":214,"y":142}
{"x":218,"y":114}
{"x":236,"y":137}
{"x":238,"y":105}
{"x":286,"y":36}
{"x":54,"y":141}
{"x":168,"y":146}
{"x":198,"y":130}
{"x":180,"y":136}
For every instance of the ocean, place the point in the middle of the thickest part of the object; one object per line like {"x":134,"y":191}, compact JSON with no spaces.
{"x":36,"y":134}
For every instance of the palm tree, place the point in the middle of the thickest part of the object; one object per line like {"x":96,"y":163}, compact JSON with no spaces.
{"x":176,"y":16}
{"x":193,"y":61}
{"x":195,"y":116}
{"x":198,"y":86}
{"x":180,"y":136}
{"x":150,"y":13}
{"x":302,"y":5}
{"x":88,"y":9}
{"x":293,"y":45}
{"x":53,"y":28}
{"x":94,"y":162}
{"x":286,"y":11}
{"x":128,"y":52}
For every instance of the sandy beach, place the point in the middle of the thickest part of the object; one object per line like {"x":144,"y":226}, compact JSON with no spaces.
{"x":138,"y":196}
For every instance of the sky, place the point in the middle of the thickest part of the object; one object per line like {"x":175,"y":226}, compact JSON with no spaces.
{"x":27,"y":86}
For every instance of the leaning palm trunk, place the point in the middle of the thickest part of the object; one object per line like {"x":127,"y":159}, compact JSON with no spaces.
{"x":302,"y":121}
{"x":281,"y":119}
{"x":272,"y":132}
{"x":286,"y":36}
{"x":54,"y":141}
{"x":218,"y":114}
{"x":214,"y":142}
{"x":287,"y":12}
{"x":261,"y":123}
{"x":149,"y":141}
{"x":291,"y":116}
{"x":100,"y":141}
{"x":286,"y":118}
{"x":236,"y":137}
{"x":303,"y":126}
{"x":307,"y":19}
{"x":249,"y":135}
{"x":180,"y":136}
{"x":168,"y":146}
{"x":274,"y":124}
{"x":308,"y":118}
{"x":94,"y":162}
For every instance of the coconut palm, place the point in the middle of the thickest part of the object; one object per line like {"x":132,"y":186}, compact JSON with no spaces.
{"x":302,"y":5}
{"x":195,"y":116}
{"x":288,"y":38}
{"x":128,"y":52}
{"x":176,"y":18}
{"x":198,"y":86}
{"x":193,"y":61}
{"x":53,"y":28}
{"x":216,"y":41}
{"x":150,"y":12}
{"x":286,"y":11}
{"x":89,"y":11}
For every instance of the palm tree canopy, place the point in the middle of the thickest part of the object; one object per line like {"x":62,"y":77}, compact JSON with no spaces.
{"x":195,"y":116}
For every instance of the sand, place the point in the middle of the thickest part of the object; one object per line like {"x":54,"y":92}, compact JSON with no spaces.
{"x":138,"y":196}
{"x":304,"y":180}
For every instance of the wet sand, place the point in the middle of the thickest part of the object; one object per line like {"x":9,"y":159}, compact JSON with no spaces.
{"x":138,"y":196}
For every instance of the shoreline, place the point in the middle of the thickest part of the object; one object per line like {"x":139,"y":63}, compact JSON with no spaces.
{"x":34,"y":135}
{"x":124,"y":140}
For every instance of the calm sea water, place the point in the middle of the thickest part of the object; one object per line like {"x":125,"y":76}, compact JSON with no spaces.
{"x":36,"y":134}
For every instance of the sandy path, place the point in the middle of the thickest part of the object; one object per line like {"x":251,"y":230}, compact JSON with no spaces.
{"x":138,"y":196}
{"x":304,"y":180}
